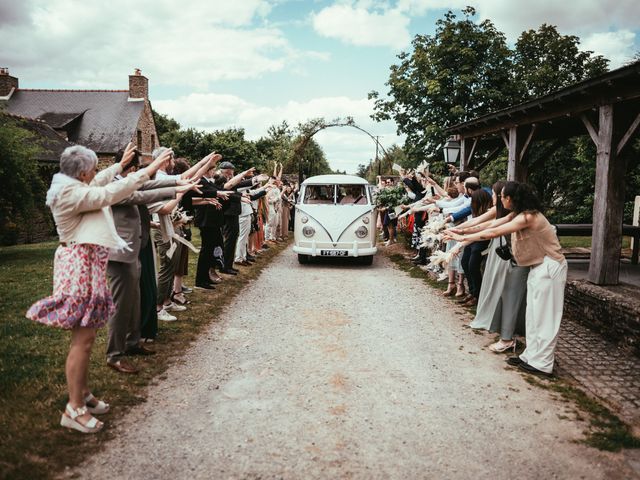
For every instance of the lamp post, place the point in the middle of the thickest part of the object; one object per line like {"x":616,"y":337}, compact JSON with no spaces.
{"x":451,"y":151}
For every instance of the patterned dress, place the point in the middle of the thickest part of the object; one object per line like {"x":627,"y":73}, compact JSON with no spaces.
{"x":81,"y":296}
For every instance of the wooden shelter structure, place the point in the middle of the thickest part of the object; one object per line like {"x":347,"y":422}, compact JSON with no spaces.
{"x":607,"y":108}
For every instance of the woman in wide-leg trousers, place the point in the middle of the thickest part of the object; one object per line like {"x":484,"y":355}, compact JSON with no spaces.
{"x":545,"y":299}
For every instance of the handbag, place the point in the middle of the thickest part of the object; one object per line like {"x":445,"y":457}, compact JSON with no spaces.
{"x":504,"y":251}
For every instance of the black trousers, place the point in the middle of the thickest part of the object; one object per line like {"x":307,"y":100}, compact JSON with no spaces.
{"x":471,"y":264}
{"x":211,"y":239}
{"x":230,"y":232}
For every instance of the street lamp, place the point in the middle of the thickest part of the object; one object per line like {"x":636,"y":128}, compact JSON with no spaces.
{"x":451,"y":151}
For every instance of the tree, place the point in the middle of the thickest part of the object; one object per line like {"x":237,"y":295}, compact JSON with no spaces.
{"x":545,"y":61}
{"x":185,"y":143}
{"x":21,"y":181}
{"x":164,"y":124}
{"x":231,"y":143}
{"x":461,"y":72}
{"x":276,"y":147}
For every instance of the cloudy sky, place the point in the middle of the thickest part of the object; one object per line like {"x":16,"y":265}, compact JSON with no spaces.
{"x":252,"y":63}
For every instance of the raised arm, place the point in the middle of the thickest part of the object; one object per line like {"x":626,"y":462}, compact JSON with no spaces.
{"x":238,"y":178}
{"x":515,"y":224}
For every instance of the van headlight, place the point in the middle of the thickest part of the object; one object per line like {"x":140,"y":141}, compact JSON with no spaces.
{"x":308,"y":231}
{"x":362,"y":232}
{"x":304,"y":219}
{"x":365,"y":220}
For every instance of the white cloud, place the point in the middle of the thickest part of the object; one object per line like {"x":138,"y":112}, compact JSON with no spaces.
{"x":80,"y":44}
{"x":356,"y":25}
{"x":606,"y":26}
{"x":345,"y":147}
{"x":616,"y":46}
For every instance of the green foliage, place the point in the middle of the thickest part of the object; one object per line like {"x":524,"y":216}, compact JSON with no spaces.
{"x":466,"y":70}
{"x":544,"y":60}
{"x":22,"y":185}
{"x":461,"y":72}
{"x":164,"y":124}
{"x":391,"y":197}
{"x":233,"y":146}
{"x":383,"y":165}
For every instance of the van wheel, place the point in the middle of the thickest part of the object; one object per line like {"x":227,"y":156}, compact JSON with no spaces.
{"x":368,"y":260}
{"x":302,"y":258}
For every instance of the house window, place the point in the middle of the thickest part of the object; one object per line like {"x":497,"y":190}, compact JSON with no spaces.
{"x":153,"y":141}
{"x":139,"y":140}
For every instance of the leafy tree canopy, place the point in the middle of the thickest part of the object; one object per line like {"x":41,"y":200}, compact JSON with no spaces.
{"x":466,"y":69}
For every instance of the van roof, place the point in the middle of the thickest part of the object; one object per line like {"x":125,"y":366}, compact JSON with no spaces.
{"x":335,"y":179}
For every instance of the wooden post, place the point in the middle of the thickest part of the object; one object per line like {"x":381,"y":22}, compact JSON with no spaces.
{"x":636,"y":217}
{"x":464,"y":147}
{"x":608,"y":204}
{"x":519,"y":142}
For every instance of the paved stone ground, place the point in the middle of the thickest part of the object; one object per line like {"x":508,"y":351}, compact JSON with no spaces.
{"x":602,"y":368}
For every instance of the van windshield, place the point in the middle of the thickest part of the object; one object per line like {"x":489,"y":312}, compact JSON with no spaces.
{"x":351,"y":195}
{"x":335,"y":195}
{"x":319,"y":194}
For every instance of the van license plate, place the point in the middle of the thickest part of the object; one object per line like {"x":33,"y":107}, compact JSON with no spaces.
{"x":334,"y":253}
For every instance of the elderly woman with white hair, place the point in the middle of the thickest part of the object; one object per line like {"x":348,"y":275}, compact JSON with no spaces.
{"x":79,"y":199}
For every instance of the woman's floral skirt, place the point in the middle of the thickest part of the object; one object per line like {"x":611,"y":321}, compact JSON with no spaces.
{"x":81,"y":296}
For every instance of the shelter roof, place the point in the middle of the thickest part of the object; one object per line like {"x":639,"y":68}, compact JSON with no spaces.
{"x":616,"y":86}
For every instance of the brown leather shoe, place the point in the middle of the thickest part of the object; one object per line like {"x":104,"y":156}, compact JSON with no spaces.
{"x":123,"y":366}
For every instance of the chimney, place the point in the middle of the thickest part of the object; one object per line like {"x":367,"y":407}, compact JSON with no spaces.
{"x":138,"y":85}
{"x":7,"y":82}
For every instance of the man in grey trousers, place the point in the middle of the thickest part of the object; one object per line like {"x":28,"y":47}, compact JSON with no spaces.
{"x":123,"y":271}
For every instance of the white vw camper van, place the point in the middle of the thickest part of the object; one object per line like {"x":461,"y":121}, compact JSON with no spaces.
{"x":335,"y":217}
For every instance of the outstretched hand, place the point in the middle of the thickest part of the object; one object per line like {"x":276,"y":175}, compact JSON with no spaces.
{"x":128,"y":155}
{"x":195,"y":186}
{"x":159,"y":163}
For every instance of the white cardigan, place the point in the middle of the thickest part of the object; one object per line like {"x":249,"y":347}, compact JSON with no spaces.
{"x":82,"y":212}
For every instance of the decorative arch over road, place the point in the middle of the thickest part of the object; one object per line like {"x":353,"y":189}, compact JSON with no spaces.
{"x":309,"y":129}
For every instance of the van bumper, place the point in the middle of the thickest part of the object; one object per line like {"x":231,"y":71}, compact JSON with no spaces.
{"x":354,"y":251}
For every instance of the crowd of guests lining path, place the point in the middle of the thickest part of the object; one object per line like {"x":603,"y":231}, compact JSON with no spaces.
{"x":125,"y":238}
{"x":499,"y":253}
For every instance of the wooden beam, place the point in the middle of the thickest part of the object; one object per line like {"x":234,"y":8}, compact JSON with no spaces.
{"x":492,"y":154}
{"x":590,"y":128}
{"x":470,"y":152}
{"x":527,"y":143}
{"x":504,"y":137}
{"x":629,"y":133}
{"x":608,"y":205}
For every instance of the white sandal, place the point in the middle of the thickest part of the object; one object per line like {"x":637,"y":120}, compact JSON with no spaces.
{"x":69,"y":416}
{"x":100,"y":407}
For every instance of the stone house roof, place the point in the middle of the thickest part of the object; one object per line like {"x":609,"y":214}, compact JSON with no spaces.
{"x":102,"y":120}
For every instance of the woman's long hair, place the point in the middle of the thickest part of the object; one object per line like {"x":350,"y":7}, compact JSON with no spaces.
{"x":497,"y":189}
{"x":480,"y":202}
{"x":525,"y":199}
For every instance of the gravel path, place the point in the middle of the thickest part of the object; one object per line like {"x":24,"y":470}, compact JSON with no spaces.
{"x":342,"y":371}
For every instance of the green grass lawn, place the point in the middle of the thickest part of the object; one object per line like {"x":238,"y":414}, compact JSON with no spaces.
{"x":32,"y":383}
{"x":571,"y":242}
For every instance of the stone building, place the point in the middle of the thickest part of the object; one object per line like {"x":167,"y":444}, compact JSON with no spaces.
{"x":103,"y":120}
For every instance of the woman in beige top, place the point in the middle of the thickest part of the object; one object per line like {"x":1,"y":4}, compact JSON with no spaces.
{"x":535,"y":244}
{"x":80,"y":200}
